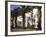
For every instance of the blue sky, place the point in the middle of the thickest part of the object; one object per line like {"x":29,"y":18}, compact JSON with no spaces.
{"x":15,"y":7}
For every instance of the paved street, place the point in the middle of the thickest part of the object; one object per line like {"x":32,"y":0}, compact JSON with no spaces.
{"x":20,"y":29}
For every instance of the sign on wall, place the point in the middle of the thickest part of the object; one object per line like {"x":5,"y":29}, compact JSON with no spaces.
{"x":24,"y":18}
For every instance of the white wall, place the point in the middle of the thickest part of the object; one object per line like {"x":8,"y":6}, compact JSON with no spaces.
{"x":2,"y":18}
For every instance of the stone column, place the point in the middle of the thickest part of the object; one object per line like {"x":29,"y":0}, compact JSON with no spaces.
{"x":35,"y":18}
{"x":14,"y":22}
